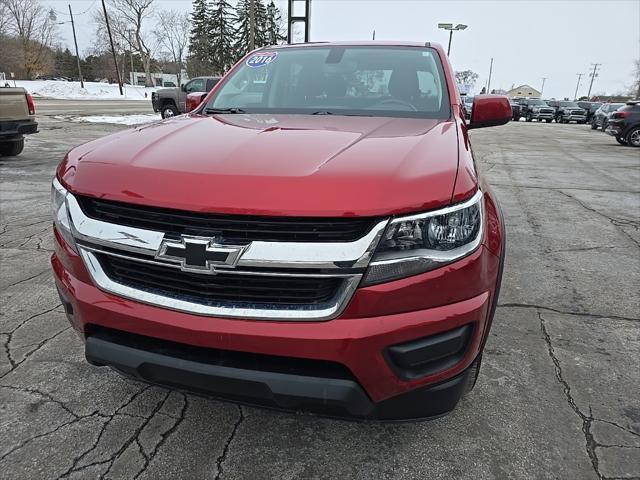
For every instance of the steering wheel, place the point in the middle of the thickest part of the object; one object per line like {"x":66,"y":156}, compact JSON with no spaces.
{"x":397,"y":101}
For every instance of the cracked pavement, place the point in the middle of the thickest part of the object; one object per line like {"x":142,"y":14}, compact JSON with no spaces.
{"x":558,"y":395}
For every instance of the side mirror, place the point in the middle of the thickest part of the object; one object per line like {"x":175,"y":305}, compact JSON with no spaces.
{"x":193,"y":100}
{"x":183,"y":87}
{"x":490,"y":111}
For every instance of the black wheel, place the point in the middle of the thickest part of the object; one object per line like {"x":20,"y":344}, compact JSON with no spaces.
{"x":548,"y":120}
{"x":604,"y":124}
{"x":474,"y":371}
{"x":621,"y":141}
{"x":169,"y":110}
{"x":12,"y":148}
{"x":633,"y":137}
{"x":594,"y":125}
{"x":528,"y":117}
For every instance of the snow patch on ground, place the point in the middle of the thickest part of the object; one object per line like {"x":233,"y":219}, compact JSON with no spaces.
{"x":117,"y":119}
{"x":91,"y":91}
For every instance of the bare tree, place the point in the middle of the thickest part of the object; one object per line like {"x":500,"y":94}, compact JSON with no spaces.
{"x":30,"y":22}
{"x":128,"y":20}
{"x":172,"y":34}
{"x":4,"y":17}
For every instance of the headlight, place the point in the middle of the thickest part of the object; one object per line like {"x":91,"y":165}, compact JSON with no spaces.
{"x":419,"y":243}
{"x":60,"y":212}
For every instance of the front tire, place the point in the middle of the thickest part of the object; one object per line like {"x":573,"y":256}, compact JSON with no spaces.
{"x":633,"y":137}
{"x":621,"y":140}
{"x":548,"y":120}
{"x":12,"y":148}
{"x":474,"y":372}
{"x":169,"y":110}
{"x":594,"y":125}
{"x":528,"y":117}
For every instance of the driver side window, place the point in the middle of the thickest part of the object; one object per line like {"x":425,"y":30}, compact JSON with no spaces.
{"x":196,"y":85}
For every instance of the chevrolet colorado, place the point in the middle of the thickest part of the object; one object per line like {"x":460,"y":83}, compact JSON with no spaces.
{"x":314,"y":235}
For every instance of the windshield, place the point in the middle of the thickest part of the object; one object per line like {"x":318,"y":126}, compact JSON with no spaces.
{"x":537,"y":103}
{"x":341,"y":80}
{"x":569,"y":104}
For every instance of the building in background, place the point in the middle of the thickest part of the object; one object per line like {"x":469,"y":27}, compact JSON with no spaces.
{"x":523,"y":91}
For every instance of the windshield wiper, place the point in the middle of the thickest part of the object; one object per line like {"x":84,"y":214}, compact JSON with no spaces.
{"x":224,"y":110}
{"x":322,"y":112}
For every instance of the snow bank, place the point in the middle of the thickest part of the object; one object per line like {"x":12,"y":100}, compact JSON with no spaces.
{"x":91,"y":91}
{"x":117,"y":119}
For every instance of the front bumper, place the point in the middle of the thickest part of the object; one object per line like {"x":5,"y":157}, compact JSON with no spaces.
{"x":141,"y":340}
{"x":575,"y":118}
{"x":543,"y":116}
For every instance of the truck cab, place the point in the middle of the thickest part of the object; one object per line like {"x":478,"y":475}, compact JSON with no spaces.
{"x":172,"y":101}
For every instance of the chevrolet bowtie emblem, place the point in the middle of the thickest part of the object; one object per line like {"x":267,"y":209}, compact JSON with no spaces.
{"x":199,"y":254}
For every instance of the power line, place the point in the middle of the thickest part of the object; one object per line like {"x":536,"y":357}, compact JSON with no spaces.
{"x":594,"y":74}
{"x":575,"y":95}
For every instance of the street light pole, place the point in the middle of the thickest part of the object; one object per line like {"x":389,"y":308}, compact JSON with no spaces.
{"x":451,"y":29}
{"x":544,"y":79}
{"x":75,"y":41}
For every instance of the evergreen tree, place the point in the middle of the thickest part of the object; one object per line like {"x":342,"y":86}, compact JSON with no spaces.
{"x":222,"y":26}
{"x":274,"y":32}
{"x":243,"y":27}
{"x":261,"y":21}
{"x":200,"y":60}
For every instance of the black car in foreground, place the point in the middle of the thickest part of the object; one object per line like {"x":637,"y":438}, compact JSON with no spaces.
{"x":624,"y":124}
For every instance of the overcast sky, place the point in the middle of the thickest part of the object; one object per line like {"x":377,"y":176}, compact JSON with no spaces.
{"x":527,"y":39}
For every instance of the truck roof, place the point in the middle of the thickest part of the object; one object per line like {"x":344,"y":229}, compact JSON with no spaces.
{"x":357,"y":43}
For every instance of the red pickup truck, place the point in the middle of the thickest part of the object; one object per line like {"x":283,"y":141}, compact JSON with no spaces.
{"x":314,"y":235}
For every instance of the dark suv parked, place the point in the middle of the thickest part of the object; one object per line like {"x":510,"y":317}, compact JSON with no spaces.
{"x":567,"y":111}
{"x":590,"y":108}
{"x":624,"y":124}
{"x":601,"y":116}
{"x":534,"y":108}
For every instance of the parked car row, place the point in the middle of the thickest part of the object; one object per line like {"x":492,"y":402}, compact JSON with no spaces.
{"x":617,"y":119}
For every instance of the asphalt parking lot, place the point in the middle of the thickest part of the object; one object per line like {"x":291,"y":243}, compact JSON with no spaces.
{"x":558,"y":395}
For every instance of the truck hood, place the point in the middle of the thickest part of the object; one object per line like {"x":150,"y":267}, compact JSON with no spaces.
{"x":273,"y":165}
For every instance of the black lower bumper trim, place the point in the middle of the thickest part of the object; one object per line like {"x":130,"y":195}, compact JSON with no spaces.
{"x":339,"y":397}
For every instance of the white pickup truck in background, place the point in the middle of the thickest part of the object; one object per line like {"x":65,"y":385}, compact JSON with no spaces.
{"x":17,"y":118}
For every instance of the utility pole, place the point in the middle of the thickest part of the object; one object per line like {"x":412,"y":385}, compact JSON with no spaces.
{"x":544,"y":79}
{"x":374,"y":34}
{"x":113,"y":50}
{"x":252,"y":25}
{"x":75,"y":41}
{"x":575,"y":95}
{"x":490,"y":71}
{"x":131,"y":76}
{"x":594,"y":74}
